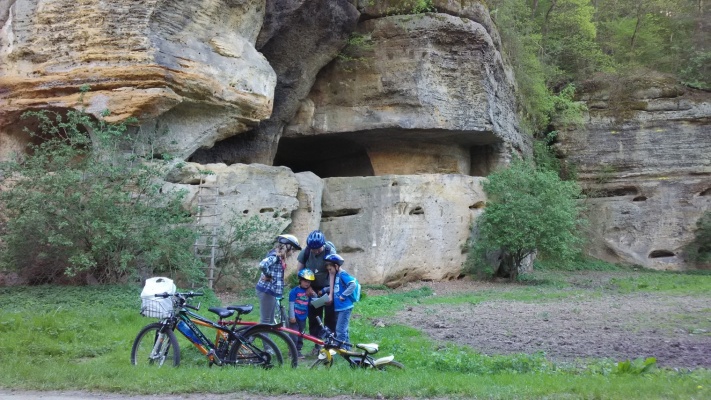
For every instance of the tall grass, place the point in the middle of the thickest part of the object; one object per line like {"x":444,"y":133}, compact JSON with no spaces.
{"x":80,"y":339}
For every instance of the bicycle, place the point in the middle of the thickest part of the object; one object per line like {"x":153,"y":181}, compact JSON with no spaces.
{"x":260,"y":344}
{"x":355,"y":358}
{"x":280,"y":317}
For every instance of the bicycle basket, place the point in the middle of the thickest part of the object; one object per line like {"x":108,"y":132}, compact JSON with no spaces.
{"x":156,"y":307}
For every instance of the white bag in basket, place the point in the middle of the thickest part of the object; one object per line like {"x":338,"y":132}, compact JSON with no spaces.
{"x":157,"y":307}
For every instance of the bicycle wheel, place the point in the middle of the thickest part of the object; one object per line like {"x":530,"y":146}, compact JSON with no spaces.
{"x":248,"y":351}
{"x":390,"y":365}
{"x":283,"y":344}
{"x":156,"y":348}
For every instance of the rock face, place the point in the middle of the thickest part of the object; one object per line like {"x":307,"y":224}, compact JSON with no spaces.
{"x":393,"y":229}
{"x":390,"y":229}
{"x":187,"y":67}
{"x":298,"y":39}
{"x":412,"y":94}
{"x":644,"y":157}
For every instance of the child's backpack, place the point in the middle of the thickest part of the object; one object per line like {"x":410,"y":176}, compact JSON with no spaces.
{"x":355,"y":296}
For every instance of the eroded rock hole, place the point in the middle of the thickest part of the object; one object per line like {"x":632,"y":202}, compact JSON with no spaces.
{"x":640,"y":198}
{"x":340,"y":213}
{"x":417,"y":211}
{"x":325,"y":156}
{"x":661,"y":254}
{"x":266,"y":210}
{"x":478,"y":205}
{"x":706,"y":192}
{"x":612,"y":192}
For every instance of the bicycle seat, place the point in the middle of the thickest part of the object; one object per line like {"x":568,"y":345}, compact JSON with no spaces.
{"x":242,"y":309}
{"x":222,"y":312}
{"x":370,"y":348}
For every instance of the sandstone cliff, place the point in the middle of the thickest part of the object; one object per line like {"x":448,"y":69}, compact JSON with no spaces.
{"x":351,"y":116}
{"x":644,"y":157}
{"x":172,"y":65}
{"x":275,"y":82}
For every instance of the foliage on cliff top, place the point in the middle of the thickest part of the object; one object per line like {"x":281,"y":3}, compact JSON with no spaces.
{"x":552,"y":43}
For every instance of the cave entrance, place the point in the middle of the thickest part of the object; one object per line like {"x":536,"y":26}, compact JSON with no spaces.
{"x":325,"y":156}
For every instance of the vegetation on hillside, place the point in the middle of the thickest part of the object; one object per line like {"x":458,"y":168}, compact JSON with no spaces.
{"x":80,"y":208}
{"x":556,"y":43}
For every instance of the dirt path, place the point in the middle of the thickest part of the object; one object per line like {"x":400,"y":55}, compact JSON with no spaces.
{"x":674,"y":329}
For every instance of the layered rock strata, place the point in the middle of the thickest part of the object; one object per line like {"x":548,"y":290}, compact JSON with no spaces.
{"x":188,"y":68}
{"x":644,"y":157}
{"x":298,"y":39}
{"x":425,"y":93}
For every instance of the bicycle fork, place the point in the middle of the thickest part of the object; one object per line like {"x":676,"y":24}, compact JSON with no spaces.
{"x":160,"y":348}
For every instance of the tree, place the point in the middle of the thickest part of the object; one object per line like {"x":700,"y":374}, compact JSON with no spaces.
{"x":699,"y":250}
{"x":78,"y":207}
{"x":569,"y":40}
{"x":529,"y":211}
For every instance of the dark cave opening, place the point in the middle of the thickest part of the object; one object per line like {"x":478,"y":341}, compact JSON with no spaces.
{"x":325,"y":156}
{"x":661,"y":254}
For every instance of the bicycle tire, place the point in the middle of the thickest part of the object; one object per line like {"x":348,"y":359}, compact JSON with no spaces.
{"x":240,"y":354}
{"x":390,"y":365}
{"x":144,"y":344}
{"x":283,"y":342}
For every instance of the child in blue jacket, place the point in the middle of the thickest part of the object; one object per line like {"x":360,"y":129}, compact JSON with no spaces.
{"x":343,"y":286}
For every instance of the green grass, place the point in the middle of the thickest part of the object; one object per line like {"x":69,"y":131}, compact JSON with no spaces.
{"x":67,"y":338}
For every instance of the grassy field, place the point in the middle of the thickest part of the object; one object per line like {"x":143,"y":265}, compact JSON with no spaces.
{"x":69,"y":338}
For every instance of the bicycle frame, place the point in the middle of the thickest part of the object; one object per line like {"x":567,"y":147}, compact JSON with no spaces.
{"x":216,"y":352}
{"x":200,"y":340}
{"x":282,"y":327}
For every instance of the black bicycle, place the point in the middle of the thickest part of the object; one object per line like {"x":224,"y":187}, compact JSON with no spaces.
{"x":260,"y":345}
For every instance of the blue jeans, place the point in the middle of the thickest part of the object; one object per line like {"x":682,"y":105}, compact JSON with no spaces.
{"x":343,"y":319}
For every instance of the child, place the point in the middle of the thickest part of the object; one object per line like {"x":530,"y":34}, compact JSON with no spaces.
{"x":299,"y":299}
{"x":343,"y":286}
{"x":271,"y":281}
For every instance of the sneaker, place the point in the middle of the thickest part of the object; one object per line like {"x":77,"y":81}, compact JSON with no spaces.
{"x":316,"y":350}
{"x":300,"y":356}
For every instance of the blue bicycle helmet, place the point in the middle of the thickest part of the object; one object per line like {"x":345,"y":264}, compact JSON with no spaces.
{"x":335,"y":259}
{"x":316,"y":240}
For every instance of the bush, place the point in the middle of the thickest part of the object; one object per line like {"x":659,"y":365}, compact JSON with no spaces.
{"x":699,"y":250}
{"x":529,"y":211}
{"x":243,"y":242}
{"x":79,"y":207}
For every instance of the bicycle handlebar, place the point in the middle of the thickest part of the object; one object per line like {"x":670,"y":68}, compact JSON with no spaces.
{"x":183,"y":298}
{"x":187,"y":294}
{"x":329,"y":336}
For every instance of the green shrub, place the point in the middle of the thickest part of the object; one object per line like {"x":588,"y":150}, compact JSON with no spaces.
{"x":529,"y":211}
{"x":78,"y":206}
{"x":699,"y":250}
{"x":243,"y":242}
